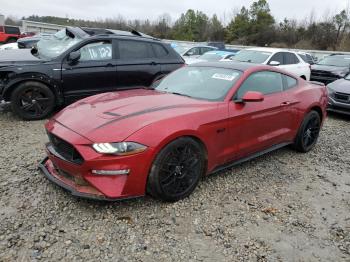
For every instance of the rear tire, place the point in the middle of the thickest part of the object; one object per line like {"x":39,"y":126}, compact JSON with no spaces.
{"x":308,"y":132}
{"x":32,"y":100}
{"x":176,"y":170}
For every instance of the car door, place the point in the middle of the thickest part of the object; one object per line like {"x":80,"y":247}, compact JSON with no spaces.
{"x":94,"y":72}
{"x":137,"y":64}
{"x":255,"y":126}
{"x":292,"y":64}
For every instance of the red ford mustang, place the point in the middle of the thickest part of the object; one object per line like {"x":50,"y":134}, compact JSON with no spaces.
{"x":198,"y":120}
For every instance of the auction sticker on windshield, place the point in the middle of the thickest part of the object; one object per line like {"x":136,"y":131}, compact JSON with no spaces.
{"x":225,"y":76}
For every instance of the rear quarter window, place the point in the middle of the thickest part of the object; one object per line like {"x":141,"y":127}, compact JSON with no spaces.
{"x":290,"y":82}
{"x":159,"y":50}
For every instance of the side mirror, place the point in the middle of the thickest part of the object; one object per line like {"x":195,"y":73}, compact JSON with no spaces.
{"x":189,"y":53}
{"x":274,"y":63}
{"x":74,"y":57}
{"x":252,"y":96}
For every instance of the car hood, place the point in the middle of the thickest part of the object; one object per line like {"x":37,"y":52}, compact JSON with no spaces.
{"x":333,"y":69}
{"x":114,"y":116}
{"x":17,"y":57}
{"x":341,"y":85}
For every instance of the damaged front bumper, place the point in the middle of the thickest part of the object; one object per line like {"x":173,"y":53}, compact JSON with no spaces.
{"x":82,"y":191}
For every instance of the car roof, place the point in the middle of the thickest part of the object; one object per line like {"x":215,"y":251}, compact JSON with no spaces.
{"x":240,"y":66}
{"x":269,"y":49}
{"x":220,"y":52}
{"x":113,"y":33}
{"x":213,"y":47}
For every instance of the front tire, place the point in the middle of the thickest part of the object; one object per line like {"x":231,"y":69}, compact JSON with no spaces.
{"x":308,"y":132}
{"x":176,"y":170}
{"x":32,"y":100}
{"x":11,"y":40}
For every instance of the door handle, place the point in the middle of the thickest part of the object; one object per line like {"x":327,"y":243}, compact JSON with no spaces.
{"x":109,"y":65}
{"x":153,"y":63}
{"x":286,"y":103}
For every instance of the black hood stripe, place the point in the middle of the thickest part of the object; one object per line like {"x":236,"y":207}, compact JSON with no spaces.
{"x":150,"y":110}
{"x":111,"y":114}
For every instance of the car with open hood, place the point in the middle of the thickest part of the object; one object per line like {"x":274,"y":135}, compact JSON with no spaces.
{"x":200,"y":119}
{"x":331,"y":68}
{"x":78,"y":62}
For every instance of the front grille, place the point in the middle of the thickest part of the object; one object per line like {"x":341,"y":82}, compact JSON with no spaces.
{"x":65,"y":150}
{"x":341,"y":97}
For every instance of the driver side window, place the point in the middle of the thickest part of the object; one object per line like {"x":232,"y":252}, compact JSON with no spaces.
{"x":96,"y":51}
{"x":193,"y":51}
{"x":265,"y":82}
{"x":278,"y":57}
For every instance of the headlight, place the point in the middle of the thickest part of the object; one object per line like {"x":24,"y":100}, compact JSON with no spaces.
{"x":121,"y":149}
{"x":330,"y":90}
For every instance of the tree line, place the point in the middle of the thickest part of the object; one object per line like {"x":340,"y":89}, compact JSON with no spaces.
{"x":253,"y":25}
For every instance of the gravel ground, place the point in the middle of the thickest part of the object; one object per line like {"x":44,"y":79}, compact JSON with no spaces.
{"x":284,"y":206}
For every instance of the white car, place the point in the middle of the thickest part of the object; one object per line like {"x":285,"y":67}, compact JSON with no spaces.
{"x":9,"y":46}
{"x":281,"y":58}
{"x":194,"y":51}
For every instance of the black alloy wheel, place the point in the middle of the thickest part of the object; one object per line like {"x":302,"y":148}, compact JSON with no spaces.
{"x":177,"y":170}
{"x":308,"y":132}
{"x":32,"y":101}
{"x":311,"y":131}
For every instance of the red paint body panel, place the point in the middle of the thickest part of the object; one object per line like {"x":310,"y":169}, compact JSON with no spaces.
{"x":228,"y":130}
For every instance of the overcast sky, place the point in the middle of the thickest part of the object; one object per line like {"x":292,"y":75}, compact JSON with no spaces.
{"x":151,"y":9}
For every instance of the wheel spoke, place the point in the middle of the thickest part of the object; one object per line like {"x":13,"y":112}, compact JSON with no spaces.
{"x":42,"y":99}
{"x":38,"y":109}
{"x":27,"y":107}
{"x":170,"y":182}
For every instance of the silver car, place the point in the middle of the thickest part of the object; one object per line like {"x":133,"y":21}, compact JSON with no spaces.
{"x":339,"y":96}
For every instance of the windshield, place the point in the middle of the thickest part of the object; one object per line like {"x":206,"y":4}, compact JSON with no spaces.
{"x":211,"y":57}
{"x":180,"y":49}
{"x":53,"y":45}
{"x":252,"y":56}
{"x":336,"y":60}
{"x":201,"y":82}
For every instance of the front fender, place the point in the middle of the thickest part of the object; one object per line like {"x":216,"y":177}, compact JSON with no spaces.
{"x":158,"y":137}
{"x":19,"y":78}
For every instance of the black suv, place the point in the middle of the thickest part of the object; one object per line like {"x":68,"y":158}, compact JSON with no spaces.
{"x":78,"y":62}
{"x":331,"y":68}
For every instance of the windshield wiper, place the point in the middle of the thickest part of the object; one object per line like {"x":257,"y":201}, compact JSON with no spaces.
{"x":179,"y":94}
